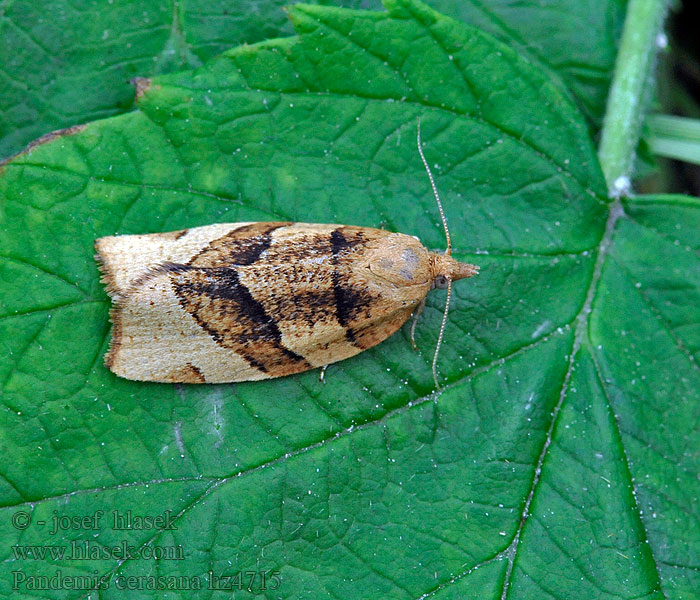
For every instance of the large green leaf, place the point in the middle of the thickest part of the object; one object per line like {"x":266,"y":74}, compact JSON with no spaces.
{"x":67,"y":62}
{"x":560,"y":459}
{"x":576,"y":40}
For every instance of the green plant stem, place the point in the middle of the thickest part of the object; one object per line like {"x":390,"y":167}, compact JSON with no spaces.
{"x":675,"y":137}
{"x":626,"y":101}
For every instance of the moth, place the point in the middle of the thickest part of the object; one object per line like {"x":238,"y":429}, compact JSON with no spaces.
{"x":246,"y":301}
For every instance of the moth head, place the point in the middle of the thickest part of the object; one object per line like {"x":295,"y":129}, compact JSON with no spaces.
{"x":443,"y":268}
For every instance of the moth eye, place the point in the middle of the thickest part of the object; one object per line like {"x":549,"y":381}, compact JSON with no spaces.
{"x":441,"y":282}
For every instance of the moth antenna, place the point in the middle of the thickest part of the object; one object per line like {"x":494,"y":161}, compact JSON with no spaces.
{"x":442,"y":331}
{"x":448,"y":251}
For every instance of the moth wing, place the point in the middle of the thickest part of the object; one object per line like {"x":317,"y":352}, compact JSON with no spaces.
{"x":125,"y":259}
{"x":154,"y":339}
{"x":327,"y":302}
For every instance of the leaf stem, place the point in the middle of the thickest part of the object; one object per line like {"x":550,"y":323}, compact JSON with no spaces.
{"x":627,"y":97}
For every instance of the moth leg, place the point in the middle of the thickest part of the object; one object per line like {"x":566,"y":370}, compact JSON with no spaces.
{"x":322,"y":374}
{"x":416,"y":314}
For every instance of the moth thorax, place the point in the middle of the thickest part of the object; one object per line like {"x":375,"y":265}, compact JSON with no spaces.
{"x":444,"y":267}
{"x":402,"y":262}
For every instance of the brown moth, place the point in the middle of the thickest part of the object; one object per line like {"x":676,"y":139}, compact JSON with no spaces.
{"x":245,"y":301}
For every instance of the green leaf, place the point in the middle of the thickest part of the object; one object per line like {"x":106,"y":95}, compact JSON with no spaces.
{"x":66,"y":63}
{"x":576,"y":40}
{"x":559,"y":461}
